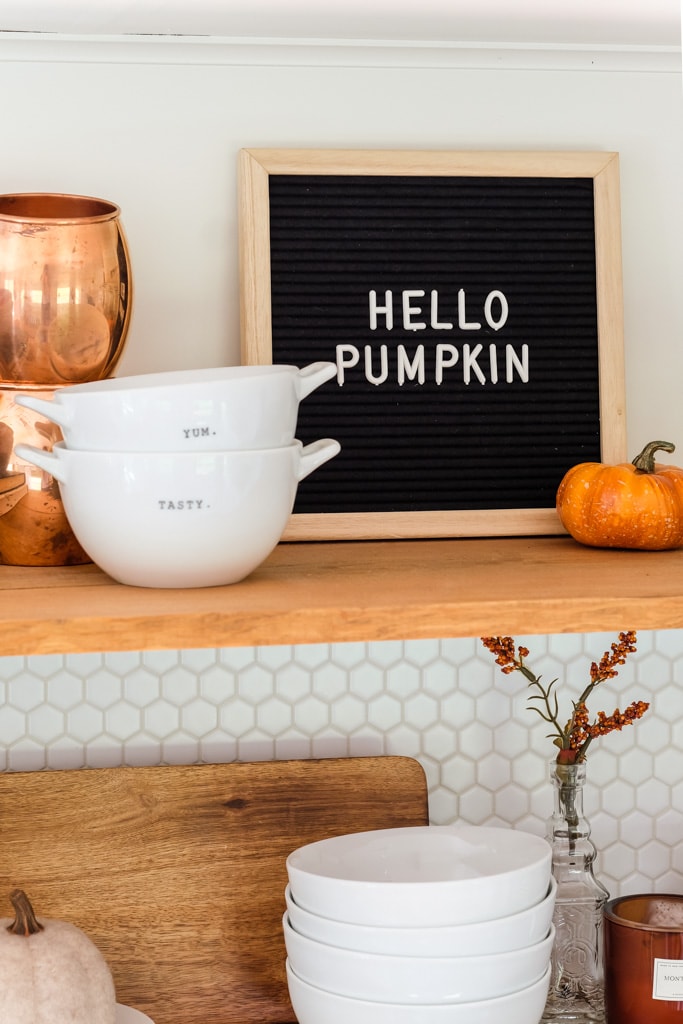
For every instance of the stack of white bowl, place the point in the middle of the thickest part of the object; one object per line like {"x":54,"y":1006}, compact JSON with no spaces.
{"x":184,"y":478}
{"x":421,"y":925}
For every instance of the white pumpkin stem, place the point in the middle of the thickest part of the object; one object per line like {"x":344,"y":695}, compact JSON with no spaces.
{"x":25,"y":921}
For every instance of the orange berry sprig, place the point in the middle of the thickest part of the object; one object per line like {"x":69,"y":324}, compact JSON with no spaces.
{"x":574,"y":738}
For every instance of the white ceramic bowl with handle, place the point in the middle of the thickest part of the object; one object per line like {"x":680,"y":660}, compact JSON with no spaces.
{"x":500,"y":935}
{"x":421,"y":876}
{"x":415,"y":979}
{"x":315,"y":1005}
{"x":221,"y":409}
{"x":179,"y":519}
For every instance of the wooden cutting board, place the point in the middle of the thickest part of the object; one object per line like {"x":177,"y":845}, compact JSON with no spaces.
{"x":178,"y":873}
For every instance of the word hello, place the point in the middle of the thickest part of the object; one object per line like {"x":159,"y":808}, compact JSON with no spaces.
{"x":473,"y":363}
{"x":184,"y":504}
{"x":412,"y":316}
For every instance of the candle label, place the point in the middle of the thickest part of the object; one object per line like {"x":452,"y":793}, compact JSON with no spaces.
{"x":667,"y":980}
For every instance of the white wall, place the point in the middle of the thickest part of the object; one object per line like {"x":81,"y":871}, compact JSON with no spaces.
{"x":632,"y":22}
{"x":156,"y":126}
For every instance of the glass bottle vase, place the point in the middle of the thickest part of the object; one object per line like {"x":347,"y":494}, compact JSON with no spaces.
{"x":576,"y":993}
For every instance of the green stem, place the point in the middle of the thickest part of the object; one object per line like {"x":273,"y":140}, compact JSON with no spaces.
{"x":567,"y":793}
{"x":645,"y":461}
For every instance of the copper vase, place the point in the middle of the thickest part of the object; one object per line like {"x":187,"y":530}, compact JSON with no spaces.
{"x":65,"y":308}
{"x":34,"y":529}
{"x":65,"y":289}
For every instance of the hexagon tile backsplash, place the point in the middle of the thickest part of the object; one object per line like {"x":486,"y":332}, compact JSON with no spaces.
{"x":443,"y":702}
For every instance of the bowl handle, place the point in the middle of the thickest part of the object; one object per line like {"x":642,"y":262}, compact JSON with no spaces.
{"x":51,"y":410}
{"x":44,"y":460}
{"x":312,"y":376}
{"x":315,"y":454}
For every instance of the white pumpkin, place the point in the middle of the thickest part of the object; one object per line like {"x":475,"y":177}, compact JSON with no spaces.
{"x":51,"y":972}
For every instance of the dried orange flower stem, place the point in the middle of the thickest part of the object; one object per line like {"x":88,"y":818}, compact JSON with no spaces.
{"x":574,"y":738}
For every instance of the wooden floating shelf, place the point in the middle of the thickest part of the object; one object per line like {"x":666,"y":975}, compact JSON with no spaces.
{"x":352,"y":591}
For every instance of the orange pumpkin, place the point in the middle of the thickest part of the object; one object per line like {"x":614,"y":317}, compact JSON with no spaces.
{"x":635,"y":504}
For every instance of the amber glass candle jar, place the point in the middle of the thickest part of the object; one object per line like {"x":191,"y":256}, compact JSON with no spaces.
{"x":643,"y":938}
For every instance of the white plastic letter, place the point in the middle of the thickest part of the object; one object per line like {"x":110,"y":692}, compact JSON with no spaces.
{"x":383,"y":363}
{"x":463,"y":323}
{"x":409,"y":369}
{"x":347,"y":356}
{"x":434,"y":317}
{"x":409,"y":311}
{"x":496,"y":325}
{"x":387,"y":309}
{"x":470,"y":364}
{"x":493,"y":363}
{"x":446,"y":355}
{"x":512,"y":362}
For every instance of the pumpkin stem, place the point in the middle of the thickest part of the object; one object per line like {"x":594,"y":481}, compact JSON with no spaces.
{"x":25,"y":921}
{"x":645,"y":462}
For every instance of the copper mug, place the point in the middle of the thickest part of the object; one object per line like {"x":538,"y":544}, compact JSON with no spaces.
{"x":34,"y":529}
{"x":643,"y":941}
{"x":65,"y":289}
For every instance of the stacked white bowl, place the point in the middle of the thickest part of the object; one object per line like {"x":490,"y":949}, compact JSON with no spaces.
{"x":183,"y":478}
{"x":420,"y":925}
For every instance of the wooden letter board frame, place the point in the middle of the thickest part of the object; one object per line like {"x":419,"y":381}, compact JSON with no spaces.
{"x":257,"y":170}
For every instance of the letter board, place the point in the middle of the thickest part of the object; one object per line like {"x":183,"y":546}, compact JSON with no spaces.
{"x":473,"y":305}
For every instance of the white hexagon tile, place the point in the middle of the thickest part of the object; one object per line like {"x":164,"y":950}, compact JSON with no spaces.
{"x":444,"y":702}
